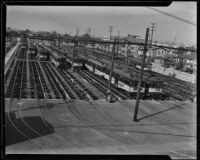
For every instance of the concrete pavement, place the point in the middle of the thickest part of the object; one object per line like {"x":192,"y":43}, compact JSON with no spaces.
{"x":76,"y":127}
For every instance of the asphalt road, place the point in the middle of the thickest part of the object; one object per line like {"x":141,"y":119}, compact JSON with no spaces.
{"x":77,"y":127}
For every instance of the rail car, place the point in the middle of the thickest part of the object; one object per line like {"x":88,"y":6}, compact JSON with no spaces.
{"x":42,"y":54}
{"x":32,"y":50}
{"x":58,"y":60}
{"x":24,"y":45}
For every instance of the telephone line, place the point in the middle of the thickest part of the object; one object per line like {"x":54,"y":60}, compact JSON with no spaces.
{"x":96,"y":41}
{"x":170,"y":15}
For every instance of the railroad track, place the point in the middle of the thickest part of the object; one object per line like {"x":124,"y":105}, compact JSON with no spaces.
{"x":93,"y":82}
{"x":114,"y":89}
{"x":52,"y":81}
{"x":58,"y":82}
{"x":18,"y":82}
{"x":15,"y":92}
{"x":16,"y":86}
{"x":42,"y":81}
{"x":22,"y":54}
{"x":92,"y":95}
{"x":9,"y":93}
{"x":15,"y":73}
{"x":64,"y":86}
{"x":37,"y":84}
{"x":24,"y":81}
{"x":72,"y":85}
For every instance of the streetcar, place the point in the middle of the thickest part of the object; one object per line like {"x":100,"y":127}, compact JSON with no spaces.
{"x":58,"y":60}
{"x":32,"y":50}
{"x":42,"y":54}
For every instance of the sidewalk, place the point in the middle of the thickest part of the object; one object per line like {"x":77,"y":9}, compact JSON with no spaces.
{"x":9,"y":56}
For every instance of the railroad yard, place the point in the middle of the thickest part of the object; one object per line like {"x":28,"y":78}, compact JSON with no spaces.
{"x":52,"y":110}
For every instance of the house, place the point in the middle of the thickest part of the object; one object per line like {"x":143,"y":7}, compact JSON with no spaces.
{"x":162,"y":61}
{"x":190,"y":61}
{"x":173,"y":53}
{"x":154,"y":52}
{"x":149,"y":52}
{"x":130,"y":50}
{"x":186,"y":60}
{"x":161,"y":51}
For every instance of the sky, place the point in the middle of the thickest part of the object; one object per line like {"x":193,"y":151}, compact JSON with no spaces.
{"x":127,"y":20}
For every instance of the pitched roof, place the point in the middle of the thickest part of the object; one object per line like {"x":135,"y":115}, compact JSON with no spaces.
{"x":191,"y":56}
{"x":160,"y":57}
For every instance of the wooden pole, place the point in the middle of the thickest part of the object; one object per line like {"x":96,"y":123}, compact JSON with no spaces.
{"x":111,"y":71}
{"x":141,"y":74}
{"x":73,"y":56}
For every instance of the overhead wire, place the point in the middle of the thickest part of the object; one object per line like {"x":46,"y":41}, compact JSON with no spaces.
{"x":171,"y":15}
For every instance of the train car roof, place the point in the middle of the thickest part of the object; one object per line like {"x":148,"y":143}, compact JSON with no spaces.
{"x":55,"y":54}
{"x":41,"y":49}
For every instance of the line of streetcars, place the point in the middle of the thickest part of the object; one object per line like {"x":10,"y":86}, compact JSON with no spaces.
{"x":43,"y":53}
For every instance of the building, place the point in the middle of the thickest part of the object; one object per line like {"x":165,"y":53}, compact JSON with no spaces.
{"x":186,"y":59}
{"x":161,"y":52}
{"x":153,"y":52}
{"x":162,"y":61}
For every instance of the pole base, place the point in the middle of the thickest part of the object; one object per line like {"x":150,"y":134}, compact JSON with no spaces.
{"x":136,"y":120}
{"x":72,"y":69}
{"x":109,"y":98}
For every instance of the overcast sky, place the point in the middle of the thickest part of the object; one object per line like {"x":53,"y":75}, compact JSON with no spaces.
{"x":127,"y":20}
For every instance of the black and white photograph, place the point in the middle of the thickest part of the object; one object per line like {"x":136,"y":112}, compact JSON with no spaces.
{"x":117,"y":80}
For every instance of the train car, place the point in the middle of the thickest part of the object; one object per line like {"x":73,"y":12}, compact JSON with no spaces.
{"x":32,"y":50}
{"x":24,"y":46}
{"x":42,"y":53}
{"x":58,"y":60}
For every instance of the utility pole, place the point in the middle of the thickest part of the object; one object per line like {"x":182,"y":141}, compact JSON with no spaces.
{"x":153,"y":26}
{"x":73,"y":56}
{"x":77,"y":32}
{"x":127,"y":53}
{"x":111,"y":70}
{"x":118,"y":43}
{"x":89,"y":30}
{"x":110,"y":30}
{"x":93,"y":43}
{"x":174,"y":40}
{"x":74,"y":48}
{"x":59,"y":41}
{"x":51,"y":40}
{"x":141,"y":74}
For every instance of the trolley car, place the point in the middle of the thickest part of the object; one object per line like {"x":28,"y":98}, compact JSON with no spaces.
{"x":58,"y":60}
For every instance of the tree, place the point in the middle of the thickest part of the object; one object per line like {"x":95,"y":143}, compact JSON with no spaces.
{"x":54,"y":34}
{"x":27,"y":31}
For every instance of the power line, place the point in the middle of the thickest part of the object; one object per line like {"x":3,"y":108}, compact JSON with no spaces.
{"x":170,"y":15}
{"x":70,"y":39}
